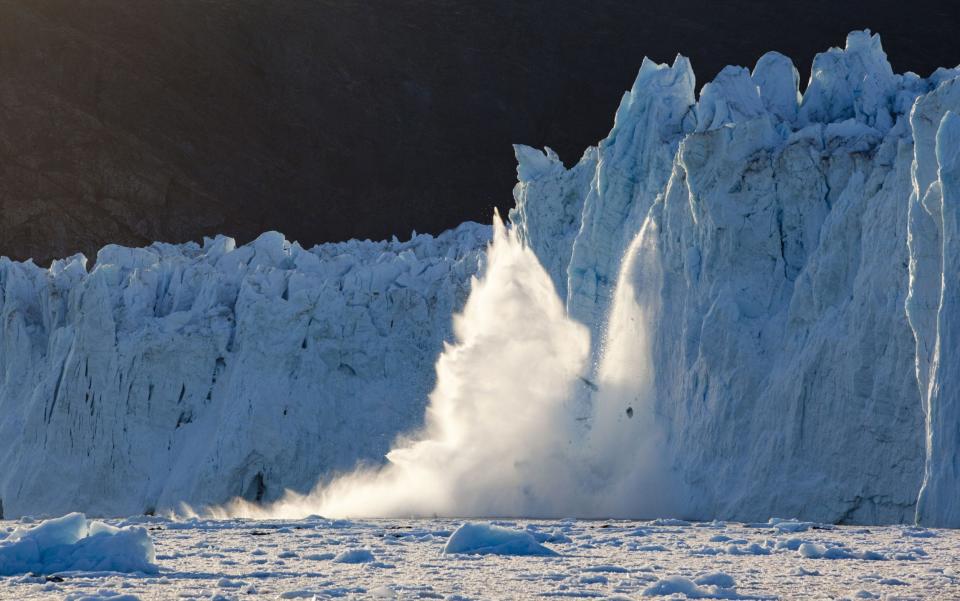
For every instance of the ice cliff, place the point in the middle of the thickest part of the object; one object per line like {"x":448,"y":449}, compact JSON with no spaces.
{"x":195,"y":374}
{"x":800,"y":254}
{"x":805,"y":247}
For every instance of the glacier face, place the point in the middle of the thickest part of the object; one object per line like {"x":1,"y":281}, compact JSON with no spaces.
{"x":196,"y":374}
{"x":797,"y":283}
{"x":785,"y":351}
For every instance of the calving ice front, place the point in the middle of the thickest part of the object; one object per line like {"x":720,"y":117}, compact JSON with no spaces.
{"x":733,"y":307}
{"x":514,"y":426}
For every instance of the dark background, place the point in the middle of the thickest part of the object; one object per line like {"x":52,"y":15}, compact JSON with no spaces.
{"x":136,"y":120}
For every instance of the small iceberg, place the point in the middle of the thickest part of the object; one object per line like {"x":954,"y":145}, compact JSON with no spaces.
{"x":73,"y":543}
{"x":354,"y":556}
{"x":487,"y":539}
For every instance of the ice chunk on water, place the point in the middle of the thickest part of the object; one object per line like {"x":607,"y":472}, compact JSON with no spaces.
{"x":354,"y":556}
{"x":486,"y":539}
{"x":714,"y":586}
{"x":73,"y":543}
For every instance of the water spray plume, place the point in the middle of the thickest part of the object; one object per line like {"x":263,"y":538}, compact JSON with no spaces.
{"x":511,"y":429}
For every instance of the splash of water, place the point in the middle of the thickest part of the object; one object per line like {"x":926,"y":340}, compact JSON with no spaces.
{"x":626,"y":443}
{"x":511,"y":429}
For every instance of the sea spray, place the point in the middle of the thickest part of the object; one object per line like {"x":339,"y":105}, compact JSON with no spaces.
{"x":516,"y":425}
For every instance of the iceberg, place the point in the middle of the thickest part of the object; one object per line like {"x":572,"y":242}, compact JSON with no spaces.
{"x":73,"y":543}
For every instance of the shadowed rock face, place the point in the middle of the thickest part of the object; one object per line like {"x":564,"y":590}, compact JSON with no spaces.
{"x":133,"y":121}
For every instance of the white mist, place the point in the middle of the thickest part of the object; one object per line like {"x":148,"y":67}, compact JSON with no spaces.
{"x":515,"y":425}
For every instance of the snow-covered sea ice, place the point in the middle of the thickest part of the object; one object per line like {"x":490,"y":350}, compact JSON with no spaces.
{"x":406,"y":560}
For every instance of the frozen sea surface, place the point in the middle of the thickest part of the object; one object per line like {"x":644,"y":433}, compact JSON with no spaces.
{"x":404,"y":559}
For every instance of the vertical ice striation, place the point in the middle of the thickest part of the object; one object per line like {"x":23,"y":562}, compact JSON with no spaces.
{"x":938,"y":498}
{"x":633,"y":164}
{"x":934,"y":305}
{"x":552,"y":197}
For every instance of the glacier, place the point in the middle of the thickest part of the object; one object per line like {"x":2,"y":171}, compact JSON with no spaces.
{"x":197,"y":373}
{"x":775,"y":269}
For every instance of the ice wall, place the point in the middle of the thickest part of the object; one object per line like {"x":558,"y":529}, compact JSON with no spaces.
{"x":785,"y":367}
{"x":196,"y":374}
{"x":934,"y":303}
